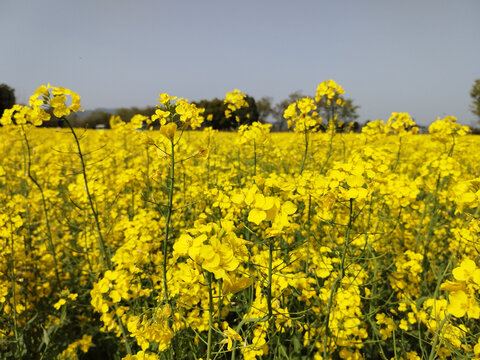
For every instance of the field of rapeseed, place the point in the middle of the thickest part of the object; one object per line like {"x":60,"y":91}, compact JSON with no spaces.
{"x":181,"y":244}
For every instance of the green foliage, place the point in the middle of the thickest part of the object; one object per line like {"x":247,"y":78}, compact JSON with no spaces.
{"x":348,"y":112}
{"x":280,"y":108}
{"x":264,"y":108}
{"x":127,"y":113}
{"x":475,"y":95}
{"x":249,"y":114}
{"x":215,"y":109}
{"x":7,"y":97}
{"x":94,"y":119}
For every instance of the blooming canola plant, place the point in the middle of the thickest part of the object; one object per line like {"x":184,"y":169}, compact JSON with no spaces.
{"x":182,"y":244}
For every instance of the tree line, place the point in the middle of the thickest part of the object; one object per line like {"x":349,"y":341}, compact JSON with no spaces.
{"x":263,"y":110}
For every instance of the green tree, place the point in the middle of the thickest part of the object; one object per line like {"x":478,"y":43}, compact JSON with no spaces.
{"x":279,"y":109}
{"x":7,"y":97}
{"x":248,"y":114}
{"x":264,"y":108}
{"x":127,"y":113}
{"x":347,"y":113}
{"x":475,"y":94}
{"x":215,"y":114}
{"x":96,"y":118}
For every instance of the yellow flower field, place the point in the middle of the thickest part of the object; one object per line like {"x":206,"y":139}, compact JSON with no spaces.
{"x":195,"y":244}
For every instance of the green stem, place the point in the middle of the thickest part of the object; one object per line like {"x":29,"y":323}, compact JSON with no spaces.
{"x":330,"y":149}
{"x":14,"y":300}
{"x":438,"y":334}
{"x":394,"y":345}
{"x":210,"y":315}
{"x":101,"y":242}
{"x":305,"y":153}
{"x":168,"y":219}
{"x":269,"y":316}
{"x":44,"y":203}
{"x":308,"y":233}
{"x":450,"y":152}
{"x":254,"y":158}
{"x":338,"y":282}
{"x":220,"y":301}
{"x":147,"y":180}
{"x":269,"y":284}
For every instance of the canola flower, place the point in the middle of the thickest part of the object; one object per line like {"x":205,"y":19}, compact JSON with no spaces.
{"x":234,"y":100}
{"x":214,"y":245}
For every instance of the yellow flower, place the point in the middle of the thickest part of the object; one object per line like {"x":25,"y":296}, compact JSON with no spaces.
{"x":458,"y":303}
{"x":58,"y":105}
{"x":453,"y":285}
{"x":230,"y":335}
{"x":467,"y":271}
{"x":461,"y":303}
{"x":168,"y":130}
{"x":201,"y":152}
{"x":165,"y":98}
{"x":476,"y":348}
{"x":328,"y":89}
{"x":234,"y":100}
{"x":446,"y":129}
{"x":59,"y":303}
{"x":162,"y":115}
{"x":233,"y":284}
{"x":264,"y":209}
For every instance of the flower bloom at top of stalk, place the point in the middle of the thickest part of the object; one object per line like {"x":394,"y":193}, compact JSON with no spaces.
{"x":20,"y":115}
{"x":447,"y":128}
{"x":57,"y":99}
{"x":330,"y":92}
{"x":374,"y":129}
{"x":235,"y":100}
{"x":173,"y":113}
{"x":256,"y":132}
{"x":401,"y":124}
{"x":303,"y":115}
{"x":44,"y":97}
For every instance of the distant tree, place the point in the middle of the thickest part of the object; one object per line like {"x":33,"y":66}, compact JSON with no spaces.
{"x":475,"y":94}
{"x":215,"y":114}
{"x":127,"y":113}
{"x":96,"y":118}
{"x":279,"y":109}
{"x":248,"y":114}
{"x":7,"y":97}
{"x":78,"y":120}
{"x":75,"y":120}
{"x":264,"y":108}
{"x":347,"y":113}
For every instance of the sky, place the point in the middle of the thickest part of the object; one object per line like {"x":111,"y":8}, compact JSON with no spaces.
{"x":415,"y":56}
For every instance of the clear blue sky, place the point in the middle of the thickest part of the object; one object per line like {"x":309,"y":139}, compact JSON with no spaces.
{"x":416,"y":56}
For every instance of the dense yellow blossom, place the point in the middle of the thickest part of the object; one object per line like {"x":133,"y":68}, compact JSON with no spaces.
{"x":196,"y":243}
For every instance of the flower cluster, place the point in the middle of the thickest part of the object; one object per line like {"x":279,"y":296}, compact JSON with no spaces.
{"x":45,"y":97}
{"x":234,"y":100}
{"x":303,"y":115}
{"x":329,"y":92}
{"x":177,"y":244}
{"x":446,"y":129}
{"x":173,"y":113}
